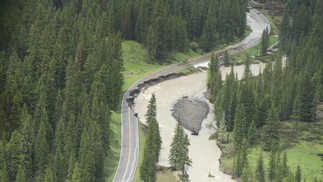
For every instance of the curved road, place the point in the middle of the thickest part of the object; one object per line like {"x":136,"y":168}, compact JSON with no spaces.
{"x":129,"y":123}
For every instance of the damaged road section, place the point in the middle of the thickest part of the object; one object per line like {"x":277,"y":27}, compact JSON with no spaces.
{"x":143,"y":86}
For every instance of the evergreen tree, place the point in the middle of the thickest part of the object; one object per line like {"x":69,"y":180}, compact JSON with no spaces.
{"x":41,"y":150}
{"x":49,"y":175}
{"x":27,"y":143}
{"x":298,"y":174}
{"x":296,"y":116}
{"x":178,"y":157}
{"x":245,"y":174}
{"x":148,"y":168}
{"x":260,"y":169}
{"x":209,"y":35}
{"x":174,"y":155}
{"x":272,"y":166}
{"x":151,"y":110}
{"x":252,"y":133}
{"x":76,"y":173}
{"x":271,"y":136}
{"x":264,"y":42}
{"x":4,"y":175}
{"x":285,"y":167}
{"x":307,"y":95}
{"x":226,"y":59}
{"x":239,"y":123}
{"x":242,"y":158}
{"x":21,"y":174}
{"x":13,"y":155}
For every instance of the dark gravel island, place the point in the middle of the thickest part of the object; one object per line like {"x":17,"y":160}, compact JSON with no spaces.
{"x":190,"y":112}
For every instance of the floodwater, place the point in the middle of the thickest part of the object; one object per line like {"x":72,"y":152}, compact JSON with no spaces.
{"x":204,"y":153}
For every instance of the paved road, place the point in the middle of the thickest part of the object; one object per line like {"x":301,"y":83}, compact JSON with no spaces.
{"x":129,"y":123}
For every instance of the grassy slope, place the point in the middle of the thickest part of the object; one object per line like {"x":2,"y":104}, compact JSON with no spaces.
{"x":112,"y":159}
{"x":142,"y":139}
{"x":136,"y":63}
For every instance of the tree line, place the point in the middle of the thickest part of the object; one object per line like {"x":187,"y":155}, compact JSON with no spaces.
{"x":277,"y":94}
{"x":61,"y":75}
{"x":167,"y":25}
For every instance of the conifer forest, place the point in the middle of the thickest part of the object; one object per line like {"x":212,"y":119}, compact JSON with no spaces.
{"x":62,"y":76}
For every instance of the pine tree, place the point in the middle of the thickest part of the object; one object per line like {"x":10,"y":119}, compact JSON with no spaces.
{"x":239,"y":123}
{"x":296,"y":116}
{"x":152,"y":42}
{"x":252,"y":133}
{"x":151,"y":110}
{"x":148,"y":168}
{"x":260,"y":169}
{"x":49,"y":177}
{"x":226,"y":59}
{"x":174,"y":155}
{"x":86,"y":157}
{"x":307,"y":95}
{"x":271,"y":136}
{"x":245,"y":174}
{"x":272,"y":166}
{"x":285,"y":26}
{"x":27,"y":143}
{"x":285,"y":167}
{"x":298,"y":174}
{"x":20,"y":174}
{"x":13,"y":154}
{"x":76,"y":173}
{"x":209,"y":35}
{"x":4,"y":175}
{"x":178,"y":157}
{"x":241,"y":158}
{"x":41,"y":152}
{"x":264,"y":42}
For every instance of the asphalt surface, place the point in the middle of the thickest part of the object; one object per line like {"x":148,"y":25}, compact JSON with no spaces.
{"x":129,"y":123}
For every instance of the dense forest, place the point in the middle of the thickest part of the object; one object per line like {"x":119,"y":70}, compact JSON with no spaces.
{"x":281,"y":93}
{"x":61,"y":74}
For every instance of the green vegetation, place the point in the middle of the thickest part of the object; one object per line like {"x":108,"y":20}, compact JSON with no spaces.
{"x":178,"y":157}
{"x":180,"y":56}
{"x":277,"y":112}
{"x":148,"y":167}
{"x":256,"y":50}
{"x":166,"y":175}
{"x":112,"y":159}
{"x":136,"y":63}
{"x":142,"y":143}
{"x":61,"y":77}
{"x":302,"y":151}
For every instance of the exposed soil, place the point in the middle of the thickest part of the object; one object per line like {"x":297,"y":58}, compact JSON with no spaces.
{"x":190,"y":113}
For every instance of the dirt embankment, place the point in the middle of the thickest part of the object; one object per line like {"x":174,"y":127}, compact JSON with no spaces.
{"x":143,"y":86}
{"x":190,"y":112}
